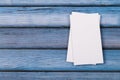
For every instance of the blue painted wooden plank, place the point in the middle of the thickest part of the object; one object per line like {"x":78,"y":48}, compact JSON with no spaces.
{"x":60,"y":2}
{"x":54,"y":16}
{"x":60,"y":75}
{"x":50,"y":37}
{"x":53,"y":60}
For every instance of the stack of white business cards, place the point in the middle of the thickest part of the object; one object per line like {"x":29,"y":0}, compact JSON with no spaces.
{"x":85,"y":45}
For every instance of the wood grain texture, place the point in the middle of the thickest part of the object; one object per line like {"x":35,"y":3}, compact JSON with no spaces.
{"x":60,"y":2}
{"x":50,"y":37}
{"x":59,"y":76}
{"x":54,"y":16}
{"x":53,"y":60}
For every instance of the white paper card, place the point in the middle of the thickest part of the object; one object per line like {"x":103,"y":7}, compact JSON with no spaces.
{"x":69,"y":52}
{"x":84,"y":45}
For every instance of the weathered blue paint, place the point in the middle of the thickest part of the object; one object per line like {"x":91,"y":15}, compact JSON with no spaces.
{"x":50,"y":37}
{"x":59,"y":75}
{"x":60,"y":2}
{"x":54,"y":16}
{"x":53,"y":60}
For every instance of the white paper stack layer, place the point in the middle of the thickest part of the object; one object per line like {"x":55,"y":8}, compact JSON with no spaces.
{"x":84,"y":45}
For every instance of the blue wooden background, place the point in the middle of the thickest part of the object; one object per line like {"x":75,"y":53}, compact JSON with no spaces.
{"x":34,"y":38}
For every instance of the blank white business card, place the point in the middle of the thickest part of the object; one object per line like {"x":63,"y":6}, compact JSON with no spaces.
{"x":84,"y":45}
{"x":69,"y":52}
